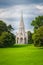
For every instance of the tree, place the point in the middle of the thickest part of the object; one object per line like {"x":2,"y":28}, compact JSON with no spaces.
{"x":37,"y":22}
{"x":38,"y":37}
{"x":29,"y":37}
{"x":7,"y":39}
{"x":3,"y":27}
{"x":10,"y":28}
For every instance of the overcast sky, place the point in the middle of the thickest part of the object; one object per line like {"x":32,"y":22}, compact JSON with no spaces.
{"x":10,"y":12}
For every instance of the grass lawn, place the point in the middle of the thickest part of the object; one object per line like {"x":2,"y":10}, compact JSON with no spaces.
{"x":21,"y":55}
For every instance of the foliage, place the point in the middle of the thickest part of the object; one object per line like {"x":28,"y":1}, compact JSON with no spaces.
{"x":37,"y":22}
{"x":38,"y":37}
{"x":3,"y":27}
{"x":29,"y":37}
{"x":38,"y":31}
{"x":7,"y":39}
{"x":10,"y":28}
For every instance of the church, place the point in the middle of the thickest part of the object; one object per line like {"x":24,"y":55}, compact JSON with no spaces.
{"x":21,"y":35}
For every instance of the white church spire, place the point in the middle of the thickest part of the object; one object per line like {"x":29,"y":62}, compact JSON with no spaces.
{"x":21,"y":24}
{"x":21,"y":37}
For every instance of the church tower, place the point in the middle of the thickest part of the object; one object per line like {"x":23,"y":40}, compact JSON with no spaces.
{"x":21,"y":35}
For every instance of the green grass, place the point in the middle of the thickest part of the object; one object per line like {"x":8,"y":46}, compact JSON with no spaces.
{"x":21,"y":55}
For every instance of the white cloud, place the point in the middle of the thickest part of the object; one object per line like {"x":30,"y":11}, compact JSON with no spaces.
{"x":39,"y":7}
{"x":14,"y":12}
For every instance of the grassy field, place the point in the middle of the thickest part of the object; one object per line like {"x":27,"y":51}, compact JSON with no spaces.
{"x":21,"y":55}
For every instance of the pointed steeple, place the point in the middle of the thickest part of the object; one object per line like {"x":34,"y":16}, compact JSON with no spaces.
{"x":21,"y":24}
{"x":21,"y":17}
{"x":21,"y":37}
{"x":21,"y":20}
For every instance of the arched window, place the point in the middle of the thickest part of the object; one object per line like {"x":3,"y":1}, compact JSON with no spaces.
{"x":21,"y":40}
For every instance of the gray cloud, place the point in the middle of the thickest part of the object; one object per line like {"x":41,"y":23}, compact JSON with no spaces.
{"x":7,"y":3}
{"x":11,"y":15}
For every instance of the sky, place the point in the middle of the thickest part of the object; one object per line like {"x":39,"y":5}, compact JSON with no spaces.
{"x":10,"y":12}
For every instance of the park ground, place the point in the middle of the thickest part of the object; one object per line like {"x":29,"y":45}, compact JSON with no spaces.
{"x":21,"y":55}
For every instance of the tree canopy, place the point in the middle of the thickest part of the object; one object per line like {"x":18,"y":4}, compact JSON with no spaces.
{"x":37,"y":22}
{"x":29,"y":37}
{"x":6,"y":37}
{"x":10,"y":28}
{"x":3,"y":27}
{"x":38,"y":31}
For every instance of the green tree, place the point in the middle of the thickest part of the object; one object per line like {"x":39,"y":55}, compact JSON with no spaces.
{"x":37,"y":22}
{"x":29,"y":37}
{"x":7,"y":39}
{"x":3,"y":27}
{"x":10,"y":28}
{"x":38,"y":37}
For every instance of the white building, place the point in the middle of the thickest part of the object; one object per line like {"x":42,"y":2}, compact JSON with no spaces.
{"x":21,"y":35}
